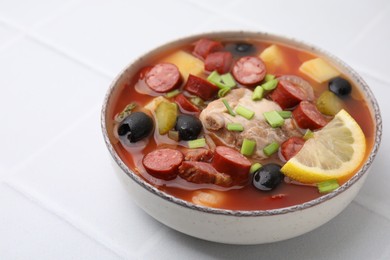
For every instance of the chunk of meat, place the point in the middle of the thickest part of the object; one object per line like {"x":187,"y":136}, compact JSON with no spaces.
{"x":199,"y":155}
{"x":215,"y":118}
{"x":202,"y":172}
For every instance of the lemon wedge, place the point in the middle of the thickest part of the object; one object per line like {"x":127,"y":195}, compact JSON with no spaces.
{"x":334,"y":152}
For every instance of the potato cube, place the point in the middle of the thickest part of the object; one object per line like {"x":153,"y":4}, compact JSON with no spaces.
{"x":273,"y":57}
{"x":186,"y":63}
{"x":319,"y":70}
{"x":208,"y":198}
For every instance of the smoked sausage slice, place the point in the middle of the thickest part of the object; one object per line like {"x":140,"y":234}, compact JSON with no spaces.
{"x":291,"y":147}
{"x":307,"y":116}
{"x":163,"y":77}
{"x":204,"y":47}
{"x":288,"y":95}
{"x":220,"y":61}
{"x":200,"y":87}
{"x":163,"y":163}
{"x":185,"y":104}
{"x":230,"y":161}
{"x":249,"y":70}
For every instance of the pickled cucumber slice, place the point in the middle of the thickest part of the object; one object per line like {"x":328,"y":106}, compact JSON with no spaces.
{"x":166,"y":114}
{"x":329,"y":104}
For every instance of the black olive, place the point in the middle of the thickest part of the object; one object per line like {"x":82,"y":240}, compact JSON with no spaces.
{"x":135,"y":127}
{"x":267,"y":177}
{"x":241,"y":49}
{"x":188,"y":126}
{"x":244,"y":47}
{"x":339,"y":86}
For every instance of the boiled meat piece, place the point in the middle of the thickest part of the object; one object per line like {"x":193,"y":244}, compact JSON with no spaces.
{"x":215,"y":118}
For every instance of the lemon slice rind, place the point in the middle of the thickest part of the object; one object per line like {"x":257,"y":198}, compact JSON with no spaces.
{"x":334,"y":152}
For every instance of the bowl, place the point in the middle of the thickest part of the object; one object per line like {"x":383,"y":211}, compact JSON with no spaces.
{"x":239,"y":226}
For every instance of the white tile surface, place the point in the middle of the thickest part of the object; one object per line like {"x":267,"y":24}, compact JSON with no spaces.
{"x":83,"y":187}
{"x":44,"y":94}
{"x":60,"y":199}
{"x":118,"y":31}
{"x":26,"y":14}
{"x":376,"y":186}
{"x":370,"y":50}
{"x":28,"y":231}
{"x":325,"y":23}
{"x":6,"y":34}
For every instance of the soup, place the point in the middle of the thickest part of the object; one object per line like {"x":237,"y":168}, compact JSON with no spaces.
{"x":225,"y":123}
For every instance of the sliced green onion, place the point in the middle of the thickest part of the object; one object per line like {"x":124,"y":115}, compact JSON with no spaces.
{"x":271,"y":148}
{"x":248,"y":147}
{"x":174,"y":135}
{"x":125,"y":112}
{"x":270,"y":85}
{"x":327,"y":186}
{"x":309,"y":134}
{"x":258,"y":93}
{"x":273,"y":118}
{"x":229,"y":109}
{"x":237,"y":127}
{"x":269,"y":77}
{"x":228,"y":80}
{"x":222,"y":81}
{"x":197,"y":101}
{"x":197,"y":143}
{"x":214,"y":77}
{"x":244,"y":112}
{"x":223,"y":91}
{"x":285,"y":114}
{"x":173,"y":93}
{"x":255,"y":167}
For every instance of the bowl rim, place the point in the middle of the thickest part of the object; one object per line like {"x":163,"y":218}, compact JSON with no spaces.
{"x":250,"y":213}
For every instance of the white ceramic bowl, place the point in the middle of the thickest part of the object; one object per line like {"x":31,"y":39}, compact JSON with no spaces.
{"x":232,"y":226}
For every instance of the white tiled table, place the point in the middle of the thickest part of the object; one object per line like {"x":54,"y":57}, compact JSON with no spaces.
{"x":58,"y":196}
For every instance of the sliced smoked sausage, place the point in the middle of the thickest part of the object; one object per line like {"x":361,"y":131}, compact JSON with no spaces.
{"x":203,"y":172}
{"x":229,"y":161}
{"x":220,"y":61}
{"x":291,"y":147}
{"x":307,"y":116}
{"x":288,"y":95}
{"x":163,"y":163}
{"x":249,"y":70}
{"x":185,"y":105}
{"x":204,"y":47}
{"x":200,"y":87}
{"x":163,"y":77}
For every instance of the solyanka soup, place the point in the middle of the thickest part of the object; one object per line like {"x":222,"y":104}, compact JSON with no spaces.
{"x":240,"y":124}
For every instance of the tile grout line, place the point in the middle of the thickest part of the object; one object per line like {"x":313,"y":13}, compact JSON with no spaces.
{"x":369,"y":26}
{"x":152,"y":241}
{"x":55,"y":48}
{"x":50,"y":143}
{"x":373,"y":211}
{"x":62,"y":215}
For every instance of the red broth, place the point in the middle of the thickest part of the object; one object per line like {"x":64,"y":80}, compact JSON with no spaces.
{"x":245,"y":197}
